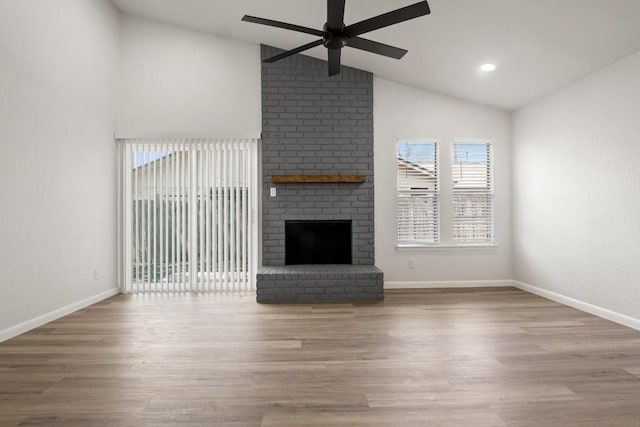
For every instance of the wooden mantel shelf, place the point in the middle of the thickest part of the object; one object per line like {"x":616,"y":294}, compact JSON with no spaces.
{"x":322,"y":179}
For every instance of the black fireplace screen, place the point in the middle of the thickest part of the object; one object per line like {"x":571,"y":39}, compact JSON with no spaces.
{"x":317,"y":242}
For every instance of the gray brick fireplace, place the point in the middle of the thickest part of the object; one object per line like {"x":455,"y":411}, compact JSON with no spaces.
{"x":313,"y":124}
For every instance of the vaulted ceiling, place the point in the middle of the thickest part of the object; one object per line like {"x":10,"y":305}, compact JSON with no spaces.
{"x":537,"y":46}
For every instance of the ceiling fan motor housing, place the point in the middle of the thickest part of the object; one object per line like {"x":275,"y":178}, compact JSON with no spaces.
{"x":333,"y":39}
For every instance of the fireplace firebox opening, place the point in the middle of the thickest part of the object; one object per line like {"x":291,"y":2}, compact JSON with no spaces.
{"x":317,"y":242}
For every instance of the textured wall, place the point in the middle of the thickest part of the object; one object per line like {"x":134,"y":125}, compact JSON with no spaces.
{"x":175,"y":80}
{"x":58,"y":82}
{"x":576,"y":158}
{"x":315,"y":124}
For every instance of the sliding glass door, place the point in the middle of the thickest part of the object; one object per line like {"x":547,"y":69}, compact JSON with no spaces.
{"x":187,"y":220}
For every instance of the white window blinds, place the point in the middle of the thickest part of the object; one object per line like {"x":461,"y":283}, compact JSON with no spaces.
{"x":472,"y":175}
{"x":417,"y":181}
{"x":187,"y":214}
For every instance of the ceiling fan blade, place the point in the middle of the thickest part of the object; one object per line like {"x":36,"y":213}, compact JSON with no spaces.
{"x":335,"y":14}
{"x":284,"y":25}
{"x":376,"y":47}
{"x":334,"y":61}
{"x":389,"y":18}
{"x":293,"y":51}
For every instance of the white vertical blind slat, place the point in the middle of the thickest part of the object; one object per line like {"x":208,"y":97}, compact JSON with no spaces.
{"x":153,"y":201}
{"x":136,"y":222}
{"x":201,"y":224}
{"x":244,"y":215}
{"x":234,"y":215}
{"x":183,"y":221}
{"x":199,"y":201}
{"x":253,"y":238}
{"x":178,"y":230}
{"x":143,"y":220}
{"x":207,"y":216}
{"x":231,"y":218}
{"x":184,"y":175}
{"x":225,"y":216}
{"x":174,"y":215}
{"x":219,"y":234}
{"x":238,"y":216}
{"x":192,"y":247}
{"x":147,"y":213}
{"x":160,"y":224}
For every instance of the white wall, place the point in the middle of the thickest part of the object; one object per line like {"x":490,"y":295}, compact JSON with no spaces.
{"x":179,"y":81}
{"x":57,"y":184}
{"x":576,"y":207}
{"x":402,"y":112}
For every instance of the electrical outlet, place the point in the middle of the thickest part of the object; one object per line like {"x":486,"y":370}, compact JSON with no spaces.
{"x":272,"y":192}
{"x":96,"y":275}
{"x":411,"y":263}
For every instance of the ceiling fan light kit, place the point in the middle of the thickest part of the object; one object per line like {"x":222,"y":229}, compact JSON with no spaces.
{"x":335,"y":35}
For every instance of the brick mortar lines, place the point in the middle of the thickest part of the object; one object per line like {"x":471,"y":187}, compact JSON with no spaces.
{"x":315,"y":124}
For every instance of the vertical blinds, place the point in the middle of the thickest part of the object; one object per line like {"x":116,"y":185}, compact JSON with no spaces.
{"x":472,"y":192}
{"x":417,"y":180}
{"x":187,"y":214}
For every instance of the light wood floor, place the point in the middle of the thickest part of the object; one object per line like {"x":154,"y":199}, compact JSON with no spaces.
{"x":471,"y":357}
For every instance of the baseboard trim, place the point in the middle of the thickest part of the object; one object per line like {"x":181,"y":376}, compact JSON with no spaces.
{"x":605,"y":313}
{"x":449,"y":284}
{"x":28,"y":325}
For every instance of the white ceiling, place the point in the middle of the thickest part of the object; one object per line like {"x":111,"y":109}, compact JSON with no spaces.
{"x":537,"y":45}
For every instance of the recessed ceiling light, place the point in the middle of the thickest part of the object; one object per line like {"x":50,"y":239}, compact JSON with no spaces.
{"x":488,"y":67}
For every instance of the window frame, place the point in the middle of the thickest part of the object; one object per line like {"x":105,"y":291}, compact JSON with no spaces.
{"x":436,"y":195}
{"x":445,"y":199}
{"x":490,"y":192}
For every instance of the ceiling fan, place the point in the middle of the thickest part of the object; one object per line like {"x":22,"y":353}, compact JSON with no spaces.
{"x":335,"y":35}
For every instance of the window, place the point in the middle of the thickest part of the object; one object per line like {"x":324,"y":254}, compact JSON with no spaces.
{"x":417,"y":193}
{"x":472,"y":192}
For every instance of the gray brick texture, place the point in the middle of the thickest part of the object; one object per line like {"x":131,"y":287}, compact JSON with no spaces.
{"x":320,"y":125}
{"x":337,"y":283}
{"x":315,"y":124}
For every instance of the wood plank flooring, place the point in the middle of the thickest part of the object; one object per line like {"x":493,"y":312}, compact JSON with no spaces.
{"x":465,"y":357}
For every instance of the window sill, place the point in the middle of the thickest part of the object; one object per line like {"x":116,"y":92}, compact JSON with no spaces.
{"x":419,"y":247}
